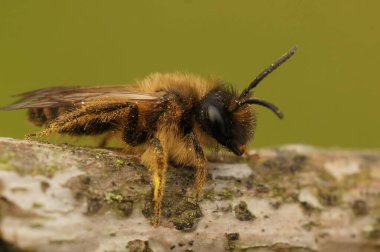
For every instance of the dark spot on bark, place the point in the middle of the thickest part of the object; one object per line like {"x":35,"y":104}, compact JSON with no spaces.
{"x":242,"y":213}
{"x":138,"y":246}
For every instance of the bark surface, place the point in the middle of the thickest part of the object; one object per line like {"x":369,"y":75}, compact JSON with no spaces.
{"x":291,"y":198}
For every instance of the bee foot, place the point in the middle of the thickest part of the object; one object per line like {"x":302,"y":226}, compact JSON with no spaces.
{"x":30,"y":136}
{"x":155,"y":221}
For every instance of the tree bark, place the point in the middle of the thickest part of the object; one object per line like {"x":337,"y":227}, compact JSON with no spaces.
{"x":291,"y":198}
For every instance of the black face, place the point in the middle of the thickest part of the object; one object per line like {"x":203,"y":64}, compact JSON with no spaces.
{"x":216,"y":120}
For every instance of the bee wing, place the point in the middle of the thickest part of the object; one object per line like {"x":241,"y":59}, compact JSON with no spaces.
{"x":74,"y":96}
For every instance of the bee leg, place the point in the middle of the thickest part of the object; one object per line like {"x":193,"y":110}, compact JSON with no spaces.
{"x":133,"y":134}
{"x":156,"y":158}
{"x":104,"y":141}
{"x":201,"y":173}
{"x":38,"y":134}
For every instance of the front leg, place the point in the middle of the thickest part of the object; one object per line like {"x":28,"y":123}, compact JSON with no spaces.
{"x":156,"y":158}
{"x":201,"y":173}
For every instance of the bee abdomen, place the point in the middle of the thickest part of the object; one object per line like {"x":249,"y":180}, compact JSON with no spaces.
{"x":42,"y":116}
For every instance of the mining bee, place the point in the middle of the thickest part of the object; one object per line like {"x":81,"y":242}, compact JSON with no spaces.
{"x":168,"y":116}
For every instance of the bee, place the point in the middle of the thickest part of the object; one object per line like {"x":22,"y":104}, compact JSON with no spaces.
{"x":171,"y":117}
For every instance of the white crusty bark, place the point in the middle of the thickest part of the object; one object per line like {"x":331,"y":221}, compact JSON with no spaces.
{"x":291,"y":198}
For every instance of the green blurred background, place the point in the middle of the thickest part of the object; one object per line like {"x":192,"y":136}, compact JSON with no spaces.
{"x":329,"y":91}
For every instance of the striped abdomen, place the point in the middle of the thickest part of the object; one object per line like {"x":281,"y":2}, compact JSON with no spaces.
{"x":42,"y":116}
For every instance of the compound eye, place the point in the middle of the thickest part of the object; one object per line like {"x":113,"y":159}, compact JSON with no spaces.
{"x":216,"y":120}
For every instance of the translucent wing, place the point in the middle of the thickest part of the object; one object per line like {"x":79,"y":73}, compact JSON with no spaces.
{"x":73,"y":96}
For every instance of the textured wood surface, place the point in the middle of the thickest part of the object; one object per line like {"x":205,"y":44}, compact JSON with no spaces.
{"x":291,"y":198}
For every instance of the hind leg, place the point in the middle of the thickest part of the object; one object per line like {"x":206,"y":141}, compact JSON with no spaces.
{"x":201,"y":172}
{"x":156,"y":158}
{"x":91,"y":119}
{"x":105,"y":140}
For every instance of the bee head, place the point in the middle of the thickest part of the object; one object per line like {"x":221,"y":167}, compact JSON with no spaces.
{"x":228,"y":118}
{"x":231,"y":128}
